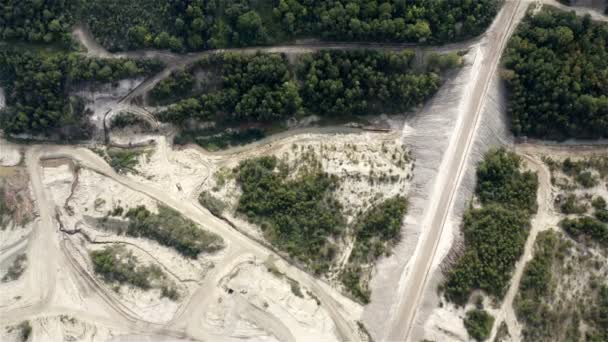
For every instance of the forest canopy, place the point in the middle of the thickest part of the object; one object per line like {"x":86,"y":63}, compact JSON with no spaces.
{"x":264,"y":88}
{"x":37,"y":21}
{"x":557,"y":76}
{"x":189,"y":25}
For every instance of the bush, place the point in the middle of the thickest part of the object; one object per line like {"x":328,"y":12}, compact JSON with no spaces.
{"x":571,"y":205}
{"x":213,"y":204}
{"x":26,"y":330}
{"x":16,"y":269}
{"x":599,"y":203}
{"x":586,"y":226}
{"x":479,"y":324}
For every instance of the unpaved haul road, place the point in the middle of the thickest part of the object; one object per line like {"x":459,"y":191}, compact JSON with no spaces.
{"x":452,"y":167}
{"x":332,"y":301}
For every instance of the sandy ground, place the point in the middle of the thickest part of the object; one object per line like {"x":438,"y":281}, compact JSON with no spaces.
{"x":80,"y":188}
{"x":105,"y":98}
{"x":10,"y":154}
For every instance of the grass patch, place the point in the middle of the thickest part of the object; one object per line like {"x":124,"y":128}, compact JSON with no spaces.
{"x":124,"y":160}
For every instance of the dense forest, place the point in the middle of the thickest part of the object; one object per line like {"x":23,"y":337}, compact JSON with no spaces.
{"x":37,"y":86}
{"x":495,"y":233}
{"x":188,"y":25}
{"x":557,"y":77}
{"x":38,"y":21}
{"x":264,"y":88}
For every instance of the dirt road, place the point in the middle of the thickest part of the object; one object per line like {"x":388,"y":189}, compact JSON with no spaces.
{"x":452,"y":167}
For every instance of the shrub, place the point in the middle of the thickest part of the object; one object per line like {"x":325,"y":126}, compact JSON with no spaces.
{"x":586,"y":226}
{"x":479,"y":324}
{"x":570,"y":205}
{"x":213,"y":204}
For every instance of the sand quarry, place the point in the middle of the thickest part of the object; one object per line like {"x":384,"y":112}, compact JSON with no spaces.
{"x":243,"y":291}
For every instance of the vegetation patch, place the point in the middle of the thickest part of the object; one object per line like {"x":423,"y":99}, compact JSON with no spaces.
{"x":118,"y":265}
{"x":556,"y":75}
{"x":298,"y":215}
{"x":126,"y":119}
{"x":562,"y":295}
{"x":495,"y":233}
{"x":16,"y":269}
{"x":478,"y":324}
{"x":37,"y":21}
{"x":213,"y":204}
{"x":375,"y":232}
{"x":171,"y":229}
{"x":212,"y":140}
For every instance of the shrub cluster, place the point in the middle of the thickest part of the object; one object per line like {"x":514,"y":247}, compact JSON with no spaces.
{"x":478,"y":324}
{"x":495,"y":234}
{"x":296,"y":215}
{"x":171,"y":229}
{"x":376,"y":231}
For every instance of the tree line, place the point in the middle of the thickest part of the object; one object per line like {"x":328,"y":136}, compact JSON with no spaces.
{"x":265,"y":87}
{"x":190,"y":25}
{"x":557,"y":77}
